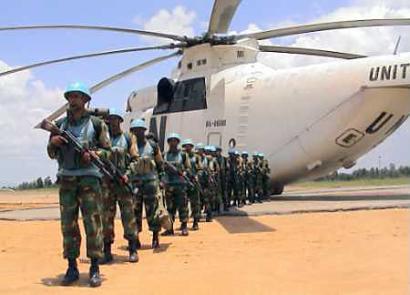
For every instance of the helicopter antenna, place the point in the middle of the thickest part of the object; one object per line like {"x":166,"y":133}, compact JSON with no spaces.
{"x":396,"y":48}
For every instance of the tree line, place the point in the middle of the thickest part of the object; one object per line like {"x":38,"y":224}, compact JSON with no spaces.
{"x":372,"y":173}
{"x":36,"y":184}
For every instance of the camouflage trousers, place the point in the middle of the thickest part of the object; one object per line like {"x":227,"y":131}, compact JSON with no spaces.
{"x":147,"y":195}
{"x":207,"y":198}
{"x":248,"y":192}
{"x":113,"y":194}
{"x":234,"y":190}
{"x":81,"y":192}
{"x":258,"y":187}
{"x":195,"y":201}
{"x":176,"y":200}
{"x":265,"y":185}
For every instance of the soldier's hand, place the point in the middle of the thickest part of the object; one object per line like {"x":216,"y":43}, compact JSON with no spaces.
{"x":58,"y":140}
{"x":86,"y":158}
{"x":124,"y":179}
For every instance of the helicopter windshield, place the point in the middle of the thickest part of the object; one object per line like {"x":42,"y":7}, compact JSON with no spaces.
{"x":183,"y":96}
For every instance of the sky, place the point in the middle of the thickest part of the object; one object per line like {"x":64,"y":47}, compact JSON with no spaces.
{"x":27,"y":97}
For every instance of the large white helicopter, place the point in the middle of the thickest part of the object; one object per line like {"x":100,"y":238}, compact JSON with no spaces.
{"x":309,"y":121}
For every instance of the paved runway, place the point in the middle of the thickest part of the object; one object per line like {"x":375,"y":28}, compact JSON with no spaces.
{"x":291,"y":202}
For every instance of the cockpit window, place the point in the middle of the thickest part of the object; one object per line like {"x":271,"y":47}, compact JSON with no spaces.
{"x":188,"y":95}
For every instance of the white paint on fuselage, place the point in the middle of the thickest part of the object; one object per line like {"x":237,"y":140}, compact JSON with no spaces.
{"x":294,"y":116}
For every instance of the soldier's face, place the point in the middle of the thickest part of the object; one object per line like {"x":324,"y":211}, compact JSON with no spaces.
{"x":173,"y":143}
{"x":76,"y":101}
{"x":188,"y":148}
{"x":114,"y":123}
{"x":139,"y":132}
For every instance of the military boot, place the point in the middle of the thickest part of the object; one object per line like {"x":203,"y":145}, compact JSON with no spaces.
{"x":72,"y":273}
{"x":184,"y":229}
{"x":155,"y":240}
{"x":132,"y":248}
{"x":95,"y":278}
{"x":107,"y":254}
{"x":168,"y":232}
{"x":209,"y":216}
{"x":195,"y":225}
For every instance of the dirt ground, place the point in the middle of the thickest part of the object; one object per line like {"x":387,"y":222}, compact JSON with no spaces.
{"x":10,"y":200}
{"x":362,"y":252}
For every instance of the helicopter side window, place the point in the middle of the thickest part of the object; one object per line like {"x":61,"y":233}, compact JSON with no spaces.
{"x":188,"y":95}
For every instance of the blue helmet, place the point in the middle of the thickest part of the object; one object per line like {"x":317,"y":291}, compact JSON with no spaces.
{"x":218,"y":148}
{"x":138,"y":123}
{"x":116,"y":113}
{"x":261,"y":155}
{"x":78,"y":87}
{"x":200,"y":146}
{"x":255,"y":154}
{"x":237,"y":153}
{"x":211,"y":148}
{"x":245,"y":153}
{"x":174,"y":136}
{"x":231,"y":152}
{"x":187,"y":141}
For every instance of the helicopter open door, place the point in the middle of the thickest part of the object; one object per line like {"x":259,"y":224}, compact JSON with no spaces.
{"x":181,"y":96}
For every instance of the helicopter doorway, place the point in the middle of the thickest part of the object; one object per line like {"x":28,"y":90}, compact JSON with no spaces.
{"x":214,"y":138}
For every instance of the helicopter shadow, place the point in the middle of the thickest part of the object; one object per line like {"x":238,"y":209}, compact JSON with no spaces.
{"x":242,"y":224}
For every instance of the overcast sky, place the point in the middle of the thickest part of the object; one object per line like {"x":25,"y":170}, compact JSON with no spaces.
{"x":27,"y":97}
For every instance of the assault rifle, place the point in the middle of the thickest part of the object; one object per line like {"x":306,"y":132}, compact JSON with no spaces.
{"x":107,"y":168}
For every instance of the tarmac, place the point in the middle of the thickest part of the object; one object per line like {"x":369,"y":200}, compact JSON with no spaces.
{"x":291,"y":202}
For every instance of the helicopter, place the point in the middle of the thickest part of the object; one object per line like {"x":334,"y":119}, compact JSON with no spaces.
{"x":308,"y":121}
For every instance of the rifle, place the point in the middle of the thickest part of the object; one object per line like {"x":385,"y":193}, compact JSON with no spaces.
{"x":106,"y":167}
{"x":173,"y":170}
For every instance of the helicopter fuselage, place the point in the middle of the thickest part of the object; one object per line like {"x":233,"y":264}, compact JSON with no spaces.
{"x":308,"y":121}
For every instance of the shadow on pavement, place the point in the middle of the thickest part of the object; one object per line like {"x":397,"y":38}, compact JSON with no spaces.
{"x":242,"y":225}
{"x":56,"y":281}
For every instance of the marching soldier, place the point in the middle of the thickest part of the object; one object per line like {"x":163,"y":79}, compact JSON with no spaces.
{"x":257,"y":177}
{"x":175,"y":185}
{"x":193,"y":192}
{"x":265,"y":171}
{"x":205,"y":182}
{"x":123,"y":150}
{"x":223,"y":171}
{"x":240,"y":201}
{"x":80,"y":182}
{"x":144,"y":174}
{"x":247,"y":178}
{"x":232,"y":177}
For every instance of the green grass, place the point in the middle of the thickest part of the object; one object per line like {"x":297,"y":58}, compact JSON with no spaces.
{"x":359,"y":182}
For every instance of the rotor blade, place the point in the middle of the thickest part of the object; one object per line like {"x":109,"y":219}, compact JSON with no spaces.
{"x":110,"y":80}
{"x":99,"y":28}
{"x":110,"y":52}
{"x":222,"y":15}
{"x":290,"y":31}
{"x":309,"y":51}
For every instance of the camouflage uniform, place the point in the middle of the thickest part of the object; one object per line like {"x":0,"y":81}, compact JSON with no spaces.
{"x":207,"y":181}
{"x":80,"y":185}
{"x":257,"y":179}
{"x":234,"y":183}
{"x":175,"y":186}
{"x":265,"y":171}
{"x":144,"y":175}
{"x":222,"y":183}
{"x":113,"y":192}
{"x":193,"y":192}
{"x":247,"y":181}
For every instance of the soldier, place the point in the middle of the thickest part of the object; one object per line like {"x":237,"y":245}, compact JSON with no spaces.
{"x":223,"y":171}
{"x":204,"y":181}
{"x":211,"y":186}
{"x":80,"y":181}
{"x":247,"y":178}
{"x":232,"y":177}
{"x":123,"y":151}
{"x":240,"y":201}
{"x":265,"y":171}
{"x":144,"y":174}
{"x":194,"y":192}
{"x":175,"y":185}
{"x":257,"y":177}
{"x":214,"y":174}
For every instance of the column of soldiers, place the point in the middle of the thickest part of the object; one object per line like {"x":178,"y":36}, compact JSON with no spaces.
{"x":201,"y":180}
